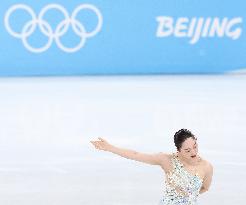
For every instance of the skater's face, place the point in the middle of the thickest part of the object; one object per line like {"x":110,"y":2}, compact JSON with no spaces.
{"x":189,"y":149}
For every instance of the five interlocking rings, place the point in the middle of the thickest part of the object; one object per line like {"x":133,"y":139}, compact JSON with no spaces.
{"x":30,"y":26}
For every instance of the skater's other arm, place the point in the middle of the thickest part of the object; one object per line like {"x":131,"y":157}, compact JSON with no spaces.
{"x":207,"y":179}
{"x":153,"y":159}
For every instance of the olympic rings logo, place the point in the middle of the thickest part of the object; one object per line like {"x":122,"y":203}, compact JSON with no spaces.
{"x":46,"y":29}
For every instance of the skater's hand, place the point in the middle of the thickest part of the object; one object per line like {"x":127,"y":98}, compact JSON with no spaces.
{"x":101,"y":144}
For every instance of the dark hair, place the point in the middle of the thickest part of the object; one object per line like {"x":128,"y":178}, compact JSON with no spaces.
{"x":180,"y":136}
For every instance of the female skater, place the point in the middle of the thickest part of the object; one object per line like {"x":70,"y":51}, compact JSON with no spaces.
{"x":187,"y":174}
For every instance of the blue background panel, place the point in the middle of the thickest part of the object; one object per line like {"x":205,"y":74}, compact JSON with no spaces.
{"x":127,"y":40}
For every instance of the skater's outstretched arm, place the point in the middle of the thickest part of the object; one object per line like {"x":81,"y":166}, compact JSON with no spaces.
{"x":153,"y":159}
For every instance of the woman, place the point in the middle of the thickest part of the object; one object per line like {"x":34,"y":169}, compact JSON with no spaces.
{"x":187,"y":174}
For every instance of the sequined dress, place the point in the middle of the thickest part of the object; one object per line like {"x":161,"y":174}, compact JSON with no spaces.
{"x":181,"y":187}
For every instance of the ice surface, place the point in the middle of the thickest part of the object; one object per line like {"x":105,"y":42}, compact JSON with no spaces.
{"x":47,"y":123}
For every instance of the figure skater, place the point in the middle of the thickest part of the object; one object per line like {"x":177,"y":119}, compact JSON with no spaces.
{"x":187,"y":174}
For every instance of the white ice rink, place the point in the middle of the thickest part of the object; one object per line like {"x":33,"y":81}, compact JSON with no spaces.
{"x":47,"y":123}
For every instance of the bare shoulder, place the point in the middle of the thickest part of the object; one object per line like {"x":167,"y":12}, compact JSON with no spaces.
{"x":207,"y":166}
{"x":164,"y":156}
{"x":165,"y":160}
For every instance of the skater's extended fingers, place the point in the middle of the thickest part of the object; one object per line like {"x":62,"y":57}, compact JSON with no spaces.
{"x":101,"y":139}
{"x":93,"y":142}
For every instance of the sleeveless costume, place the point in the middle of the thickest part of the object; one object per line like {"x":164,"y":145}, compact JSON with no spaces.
{"x":181,"y":187}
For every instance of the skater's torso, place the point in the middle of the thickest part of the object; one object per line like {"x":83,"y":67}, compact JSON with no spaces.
{"x":183,"y":183}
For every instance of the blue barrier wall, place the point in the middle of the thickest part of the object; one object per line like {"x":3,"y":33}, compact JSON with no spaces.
{"x":121,"y":37}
